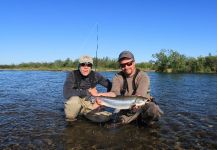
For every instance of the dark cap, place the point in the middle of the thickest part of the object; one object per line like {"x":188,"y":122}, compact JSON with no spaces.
{"x":125,"y":54}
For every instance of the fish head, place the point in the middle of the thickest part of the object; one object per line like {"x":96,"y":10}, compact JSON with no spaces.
{"x":92,"y":99}
{"x":140,"y":102}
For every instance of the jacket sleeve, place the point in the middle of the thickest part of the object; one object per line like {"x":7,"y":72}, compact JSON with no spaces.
{"x":103,"y":81}
{"x":70,"y":88}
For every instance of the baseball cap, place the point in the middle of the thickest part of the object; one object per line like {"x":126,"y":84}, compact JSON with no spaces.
{"x":125,"y":54}
{"x":86,"y":59}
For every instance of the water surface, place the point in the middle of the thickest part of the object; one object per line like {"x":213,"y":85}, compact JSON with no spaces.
{"x":32,"y":116}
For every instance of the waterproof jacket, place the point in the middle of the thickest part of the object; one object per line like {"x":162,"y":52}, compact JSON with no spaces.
{"x":77,"y":85}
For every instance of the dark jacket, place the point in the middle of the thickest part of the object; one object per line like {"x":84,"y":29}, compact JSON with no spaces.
{"x":77,"y":85}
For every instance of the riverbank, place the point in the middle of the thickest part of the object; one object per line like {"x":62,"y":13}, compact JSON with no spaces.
{"x":98,"y":69}
{"x":67,"y":69}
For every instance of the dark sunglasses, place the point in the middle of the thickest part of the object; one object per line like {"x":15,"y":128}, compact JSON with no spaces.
{"x":126,"y":64}
{"x":86,"y":64}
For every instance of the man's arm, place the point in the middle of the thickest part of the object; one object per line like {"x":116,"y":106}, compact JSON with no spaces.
{"x":115,"y":90}
{"x":103,"y":81}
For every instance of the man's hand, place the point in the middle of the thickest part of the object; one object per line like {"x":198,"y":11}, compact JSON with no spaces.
{"x":135,"y":108}
{"x":97,"y":103}
{"x":93,"y":91}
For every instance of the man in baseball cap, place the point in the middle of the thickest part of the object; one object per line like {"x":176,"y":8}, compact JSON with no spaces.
{"x":132,"y":81}
{"x":125,"y":55}
{"x":79,"y":86}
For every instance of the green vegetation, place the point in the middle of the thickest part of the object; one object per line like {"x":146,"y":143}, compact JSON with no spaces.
{"x":172,"y":61}
{"x":165,"y":61}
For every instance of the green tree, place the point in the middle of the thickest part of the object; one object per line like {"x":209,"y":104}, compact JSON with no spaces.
{"x":177,"y":61}
{"x":161,"y":62}
{"x":211,"y":63}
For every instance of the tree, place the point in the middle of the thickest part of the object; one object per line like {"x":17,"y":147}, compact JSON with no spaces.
{"x":161,"y":60}
{"x":211,"y":63}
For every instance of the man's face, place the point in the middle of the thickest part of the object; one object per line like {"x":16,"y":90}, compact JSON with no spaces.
{"x":127,"y":66}
{"x":85,"y":68}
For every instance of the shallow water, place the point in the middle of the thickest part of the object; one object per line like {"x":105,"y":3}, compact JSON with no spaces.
{"x":32,"y":116}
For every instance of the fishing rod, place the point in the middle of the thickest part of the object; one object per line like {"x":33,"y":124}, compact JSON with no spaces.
{"x":96,"y":47}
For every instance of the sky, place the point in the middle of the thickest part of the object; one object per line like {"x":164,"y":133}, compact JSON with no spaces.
{"x":49,"y":30}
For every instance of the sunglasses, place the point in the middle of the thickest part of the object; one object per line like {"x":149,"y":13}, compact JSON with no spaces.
{"x":86,"y":64}
{"x":126,"y":64}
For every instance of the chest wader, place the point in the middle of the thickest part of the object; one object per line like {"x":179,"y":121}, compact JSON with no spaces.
{"x":92,"y":83}
{"x":79,"y":77}
{"x":95,"y":115}
{"x":127,"y":116}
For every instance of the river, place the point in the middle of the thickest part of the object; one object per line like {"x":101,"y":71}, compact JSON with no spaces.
{"x":32,"y":115}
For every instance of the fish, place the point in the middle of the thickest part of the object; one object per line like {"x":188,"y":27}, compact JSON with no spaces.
{"x":150,"y":112}
{"x":121,"y":102}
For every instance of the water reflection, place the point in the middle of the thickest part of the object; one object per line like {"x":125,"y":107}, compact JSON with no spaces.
{"x":32,"y":117}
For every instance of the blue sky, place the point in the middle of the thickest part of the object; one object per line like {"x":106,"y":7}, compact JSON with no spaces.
{"x":48,"y":30}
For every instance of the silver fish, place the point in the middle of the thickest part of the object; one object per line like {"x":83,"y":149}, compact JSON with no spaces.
{"x":122,"y":102}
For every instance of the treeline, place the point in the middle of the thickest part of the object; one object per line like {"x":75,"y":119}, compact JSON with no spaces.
{"x":68,"y":64}
{"x":172,"y":61}
{"x":104,"y":63}
{"x":164,"y":61}
{"x":56,"y":65}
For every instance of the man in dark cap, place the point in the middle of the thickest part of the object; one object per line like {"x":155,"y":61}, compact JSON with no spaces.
{"x":132,"y":81}
{"x":81,"y":84}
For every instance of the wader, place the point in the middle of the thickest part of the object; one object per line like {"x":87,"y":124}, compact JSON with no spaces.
{"x":80,"y":106}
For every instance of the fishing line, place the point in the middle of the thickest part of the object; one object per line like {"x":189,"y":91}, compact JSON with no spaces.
{"x":87,"y":38}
